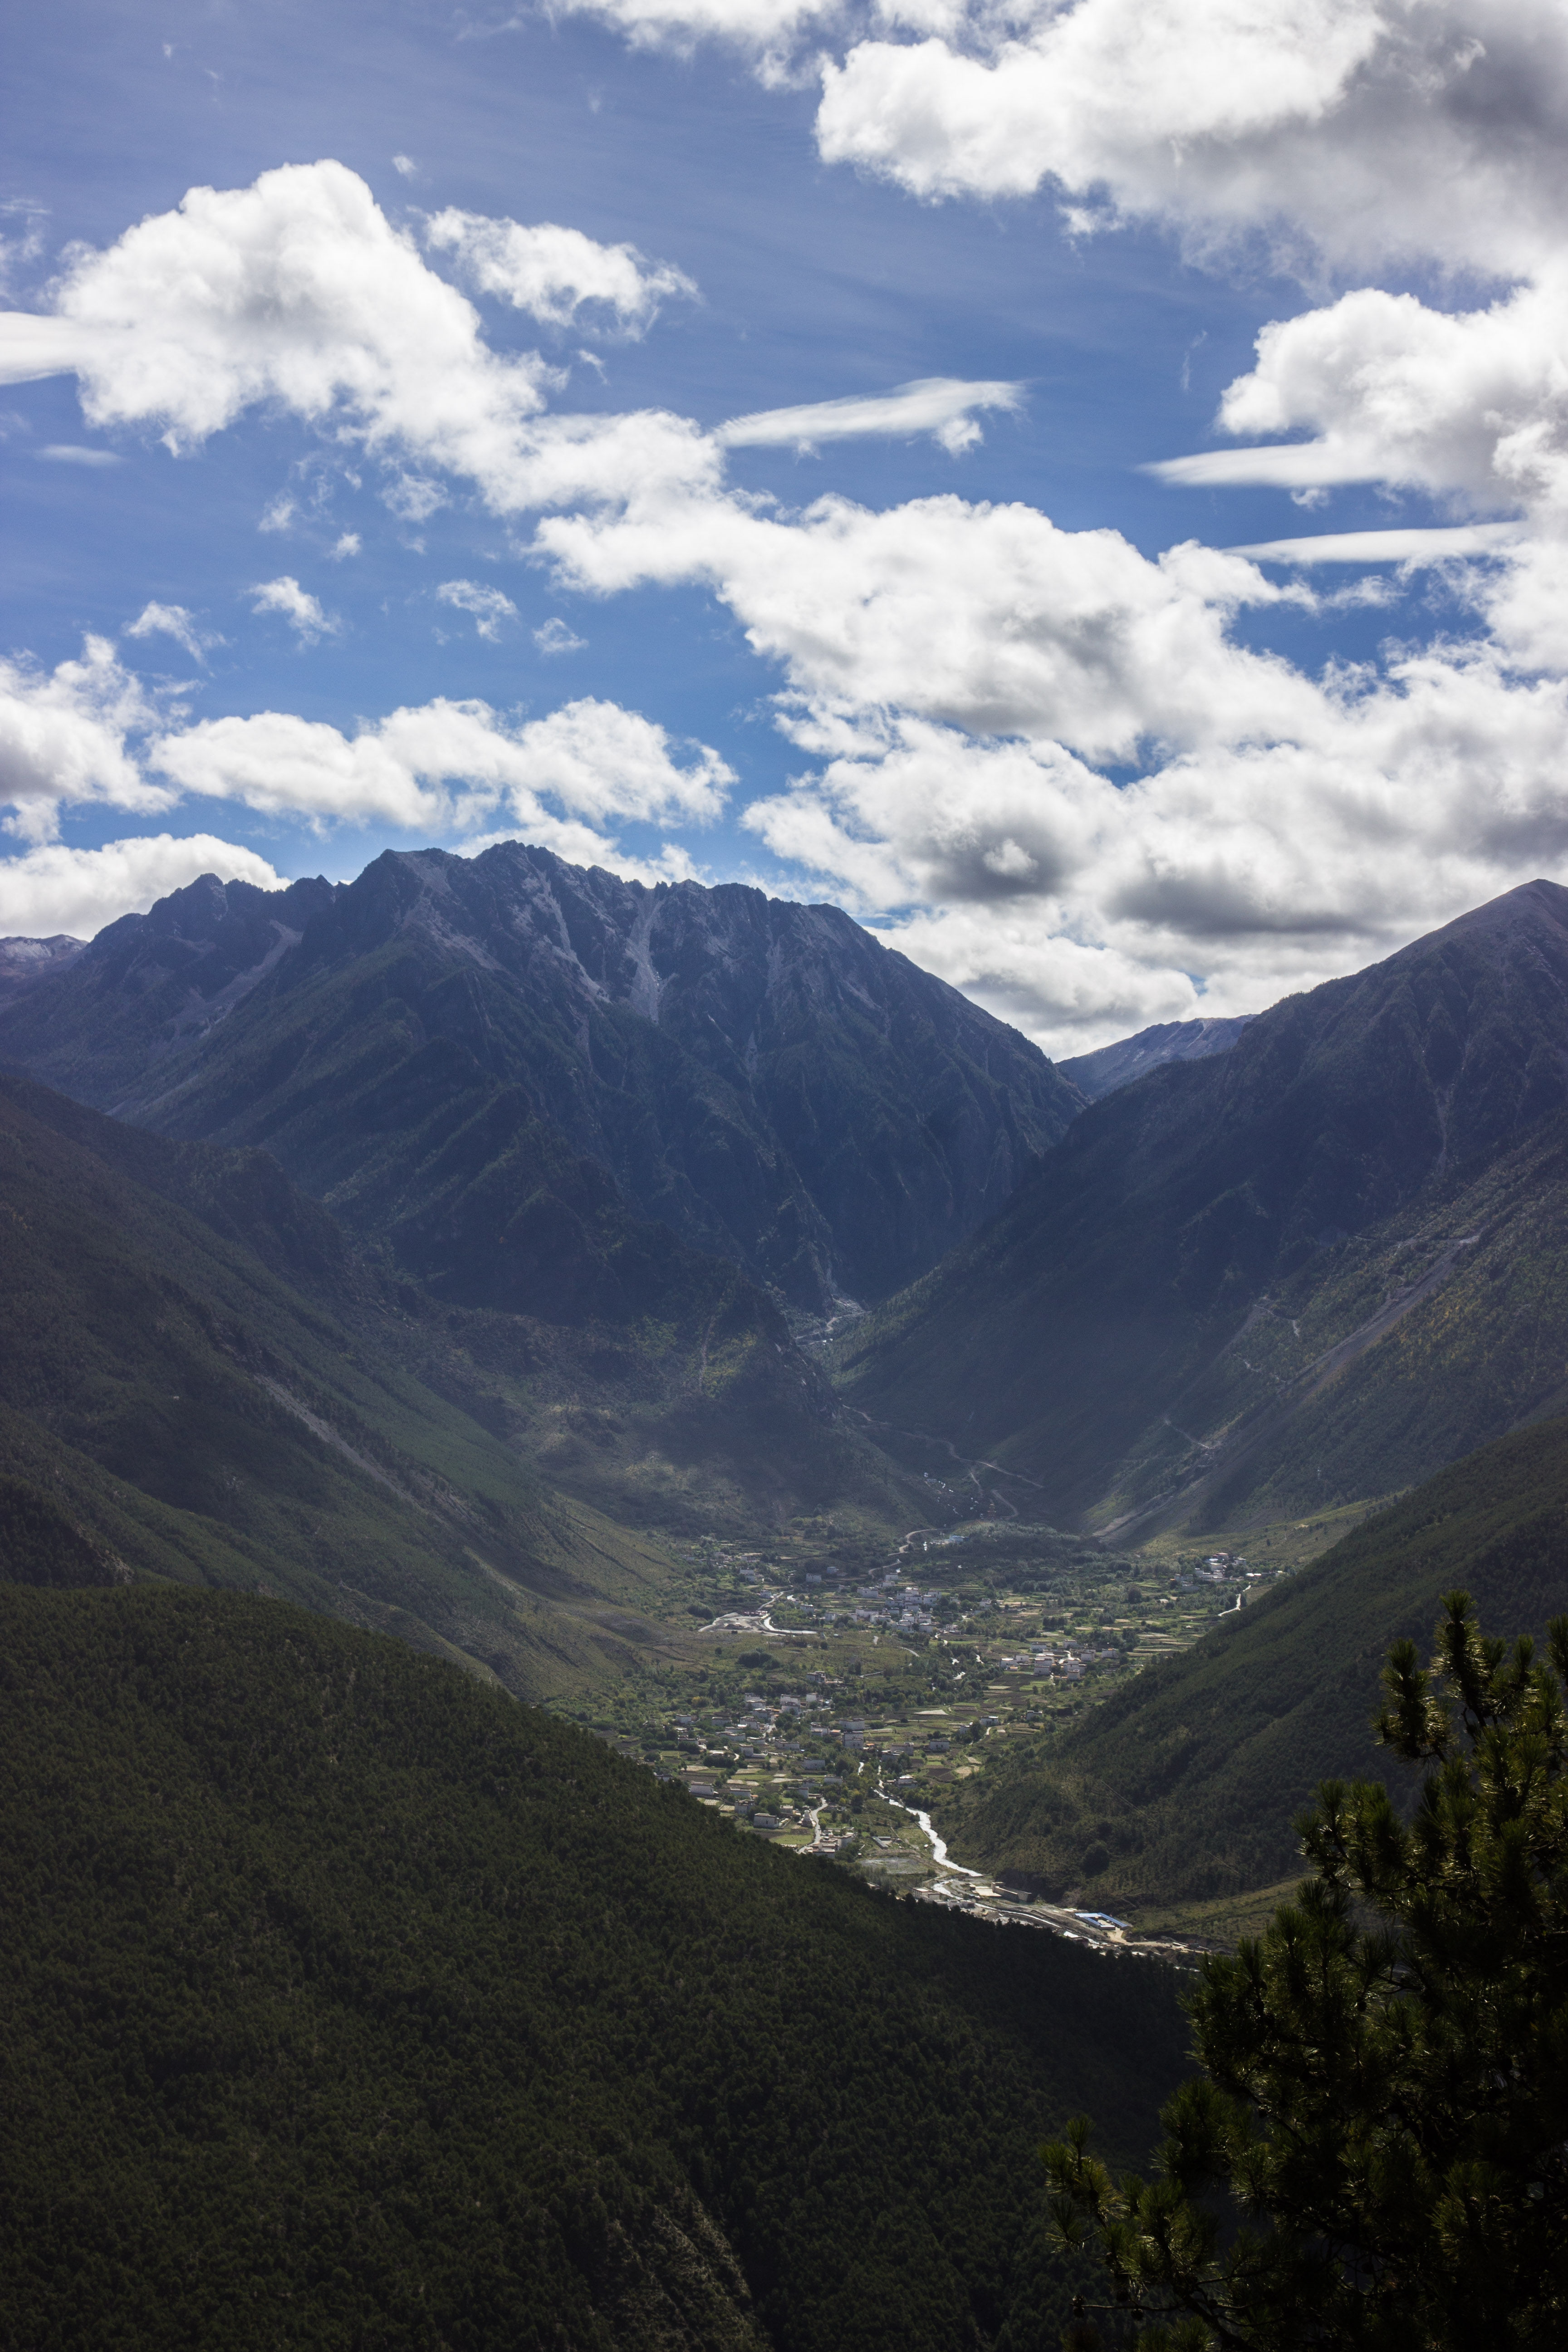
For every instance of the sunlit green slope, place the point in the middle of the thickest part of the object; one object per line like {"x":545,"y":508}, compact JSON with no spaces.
{"x":1183,"y":1784}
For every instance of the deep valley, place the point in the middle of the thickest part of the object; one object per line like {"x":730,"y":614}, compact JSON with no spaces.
{"x":974,"y":1509}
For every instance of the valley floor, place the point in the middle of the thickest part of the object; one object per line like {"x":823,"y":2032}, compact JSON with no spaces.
{"x":851,"y":1700}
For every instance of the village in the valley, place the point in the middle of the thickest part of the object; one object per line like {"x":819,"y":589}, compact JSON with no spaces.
{"x":844,"y":1704}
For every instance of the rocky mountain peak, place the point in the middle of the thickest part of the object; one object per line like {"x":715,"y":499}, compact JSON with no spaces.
{"x":766,"y":1079}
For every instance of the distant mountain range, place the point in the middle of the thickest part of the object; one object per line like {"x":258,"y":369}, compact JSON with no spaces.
{"x":415,"y":1249}
{"x":633,"y":1136}
{"x":1101,"y":1072}
{"x":24,"y":962}
{"x":1311,"y":1268}
{"x":431,"y":1046}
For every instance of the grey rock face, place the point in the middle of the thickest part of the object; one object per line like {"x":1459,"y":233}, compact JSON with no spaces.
{"x":766,"y":1079}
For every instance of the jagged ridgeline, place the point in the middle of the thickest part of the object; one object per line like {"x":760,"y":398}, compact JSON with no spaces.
{"x":348,"y":2002}
{"x":611,"y":1139}
{"x":1183,"y":1785}
{"x":1307,"y":1270}
{"x":427,"y":1045}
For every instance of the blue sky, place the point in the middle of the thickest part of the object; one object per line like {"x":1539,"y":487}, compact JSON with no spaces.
{"x":340,"y":444}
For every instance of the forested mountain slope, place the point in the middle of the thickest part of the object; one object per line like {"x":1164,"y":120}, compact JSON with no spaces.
{"x":212,"y":1389}
{"x":1294,"y":1202}
{"x":347,"y":2002}
{"x":708,"y":1417}
{"x":1184,"y":1783}
{"x":764,"y":1080}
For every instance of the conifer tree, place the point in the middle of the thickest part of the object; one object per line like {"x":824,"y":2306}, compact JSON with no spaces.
{"x":1375,"y":2154}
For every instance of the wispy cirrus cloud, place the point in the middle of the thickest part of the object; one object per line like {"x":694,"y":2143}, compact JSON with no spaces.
{"x":1417,"y":546}
{"x":174,"y":621}
{"x":488,"y":607}
{"x":942,"y":406}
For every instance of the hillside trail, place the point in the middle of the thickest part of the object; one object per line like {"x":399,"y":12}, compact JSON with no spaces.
{"x":971,"y":1466}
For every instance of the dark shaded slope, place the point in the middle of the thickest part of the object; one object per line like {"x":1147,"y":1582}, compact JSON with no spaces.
{"x":41,"y":1544}
{"x":347,"y":2004}
{"x":671,"y":1392}
{"x":242,"y":1197}
{"x":1183,"y":1784}
{"x":1384,"y":1357}
{"x":764,"y":1079}
{"x":1068,"y":1338}
{"x":196,"y":1417}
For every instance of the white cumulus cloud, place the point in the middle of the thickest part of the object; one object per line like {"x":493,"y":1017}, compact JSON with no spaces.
{"x":957,"y":676}
{"x":54,"y":888}
{"x":554,"y":273}
{"x":1356,"y":129}
{"x":1363,"y":127}
{"x":1472,"y":405}
{"x":1080,"y":907}
{"x":297,"y":291}
{"x":296,"y":606}
{"x":987,"y":617}
{"x":63,"y":740}
{"x":449,"y":766}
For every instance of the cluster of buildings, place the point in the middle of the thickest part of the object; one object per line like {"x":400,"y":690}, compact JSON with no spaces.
{"x":1070,"y":1663}
{"x":902,"y":1608}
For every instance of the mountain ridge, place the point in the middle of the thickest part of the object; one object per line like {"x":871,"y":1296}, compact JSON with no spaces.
{"x":767,"y":1080}
{"x":198,"y":1418}
{"x":1081,"y":1324}
{"x":1117,"y":1064}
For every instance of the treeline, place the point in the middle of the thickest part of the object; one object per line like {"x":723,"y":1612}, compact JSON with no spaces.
{"x":349,"y":2002}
